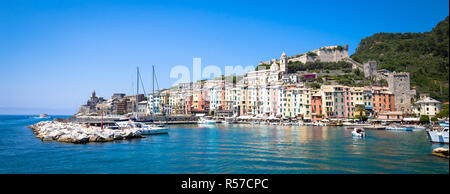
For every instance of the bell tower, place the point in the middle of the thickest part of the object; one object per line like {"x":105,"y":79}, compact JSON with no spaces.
{"x":284,"y":63}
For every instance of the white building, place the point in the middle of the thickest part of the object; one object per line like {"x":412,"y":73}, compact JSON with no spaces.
{"x":427,"y":106}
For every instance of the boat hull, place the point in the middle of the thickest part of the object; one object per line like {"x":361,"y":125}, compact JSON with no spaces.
{"x":438,"y":136}
{"x":155,"y":131}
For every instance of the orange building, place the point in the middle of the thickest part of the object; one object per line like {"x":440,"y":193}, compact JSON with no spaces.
{"x":382,"y":100}
{"x":316,"y":104}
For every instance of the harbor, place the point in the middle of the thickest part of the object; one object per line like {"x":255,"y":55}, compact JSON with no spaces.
{"x":224,"y":148}
{"x":98,"y":129}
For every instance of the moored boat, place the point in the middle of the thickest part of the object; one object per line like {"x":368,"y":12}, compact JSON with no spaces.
{"x":398,"y":128}
{"x":414,"y":128}
{"x":359,"y":132}
{"x":203,"y":120}
{"x":43,"y":116}
{"x":154,"y":129}
{"x":438,"y":136}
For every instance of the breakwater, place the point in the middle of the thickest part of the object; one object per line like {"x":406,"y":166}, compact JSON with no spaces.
{"x":70,"y":132}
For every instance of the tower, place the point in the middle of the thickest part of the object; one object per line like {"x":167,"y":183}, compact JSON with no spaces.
{"x":399,"y":85}
{"x":284,"y":63}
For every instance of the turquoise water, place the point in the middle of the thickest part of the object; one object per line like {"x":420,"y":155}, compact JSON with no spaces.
{"x":223,"y":149}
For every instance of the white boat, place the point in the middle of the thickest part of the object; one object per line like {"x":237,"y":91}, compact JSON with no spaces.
{"x":359,"y":132}
{"x":438,"y":136}
{"x":154,"y":129}
{"x":43,"y":116}
{"x":444,"y":124}
{"x":396,"y":128}
{"x":414,"y":128}
{"x":206,"y":121}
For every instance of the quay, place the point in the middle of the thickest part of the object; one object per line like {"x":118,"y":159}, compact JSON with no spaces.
{"x":375,"y":127}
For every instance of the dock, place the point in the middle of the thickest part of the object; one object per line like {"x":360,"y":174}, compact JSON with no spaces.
{"x":374,"y":127}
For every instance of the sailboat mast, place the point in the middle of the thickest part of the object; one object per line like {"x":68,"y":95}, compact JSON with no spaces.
{"x":153,"y":90}
{"x":137,"y":92}
{"x":153,"y":78}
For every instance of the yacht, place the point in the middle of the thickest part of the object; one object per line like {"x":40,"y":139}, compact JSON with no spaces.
{"x":414,"y":128}
{"x":438,"y":136}
{"x":204,"y":120}
{"x":398,"y":128}
{"x":154,"y":129}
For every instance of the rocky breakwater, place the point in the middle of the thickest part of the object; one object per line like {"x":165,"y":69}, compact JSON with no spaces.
{"x":79,"y":133}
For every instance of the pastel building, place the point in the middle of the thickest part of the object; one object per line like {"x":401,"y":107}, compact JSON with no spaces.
{"x":427,"y":106}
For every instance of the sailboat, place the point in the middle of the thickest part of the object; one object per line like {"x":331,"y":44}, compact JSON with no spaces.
{"x":151,"y":129}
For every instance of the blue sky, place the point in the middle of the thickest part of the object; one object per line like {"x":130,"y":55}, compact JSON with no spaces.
{"x":54,"y":53}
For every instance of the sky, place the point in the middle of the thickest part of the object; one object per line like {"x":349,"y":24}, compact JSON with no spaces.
{"x":53,"y":54}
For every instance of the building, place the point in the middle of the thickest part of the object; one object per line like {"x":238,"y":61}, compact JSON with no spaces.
{"x":427,"y":106}
{"x":390,"y":116}
{"x":370,"y":69}
{"x":399,"y":85}
{"x":91,"y":105}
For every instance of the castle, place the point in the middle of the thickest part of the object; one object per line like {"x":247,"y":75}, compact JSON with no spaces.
{"x":323,"y":54}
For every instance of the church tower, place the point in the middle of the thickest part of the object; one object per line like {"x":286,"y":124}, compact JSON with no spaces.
{"x":284,"y":63}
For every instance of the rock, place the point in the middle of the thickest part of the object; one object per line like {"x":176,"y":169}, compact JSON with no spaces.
{"x":78,"y":133}
{"x":441,"y":152}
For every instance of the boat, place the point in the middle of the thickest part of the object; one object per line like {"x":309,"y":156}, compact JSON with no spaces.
{"x":359,"y":132}
{"x":398,"y":128}
{"x":335,"y":124}
{"x":414,"y":128}
{"x":145,"y":129}
{"x":347,"y":124}
{"x":154,"y":129}
{"x":205,"y":120}
{"x":438,"y":136}
{"x":43,"y":116}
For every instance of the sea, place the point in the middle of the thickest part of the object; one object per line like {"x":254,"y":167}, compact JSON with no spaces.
{"x":219,"y":148}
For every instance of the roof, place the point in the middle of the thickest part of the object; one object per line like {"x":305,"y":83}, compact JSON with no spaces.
{"x":427,"y":100}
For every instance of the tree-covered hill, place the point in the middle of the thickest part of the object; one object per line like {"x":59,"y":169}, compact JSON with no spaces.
{"x":424,"y":55}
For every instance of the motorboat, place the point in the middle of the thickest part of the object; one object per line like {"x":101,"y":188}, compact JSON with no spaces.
{"x":414,"y":128}
{"x":204,"y":120}
{"x":438,"y":136}
{"x":154,"y":129}
{"x":43,"y":116}
{"x":145,"y":129}
{"x":359,"y":132}
{"x":398,"y":128}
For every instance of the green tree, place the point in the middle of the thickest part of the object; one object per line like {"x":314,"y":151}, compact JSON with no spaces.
{"x":424,"y":119}
{"x":361,"y":109}
{"x":424,"y":55}
{"x":444,"y":112}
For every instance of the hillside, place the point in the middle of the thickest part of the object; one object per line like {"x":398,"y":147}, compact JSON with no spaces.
{"x":424,"y":55}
